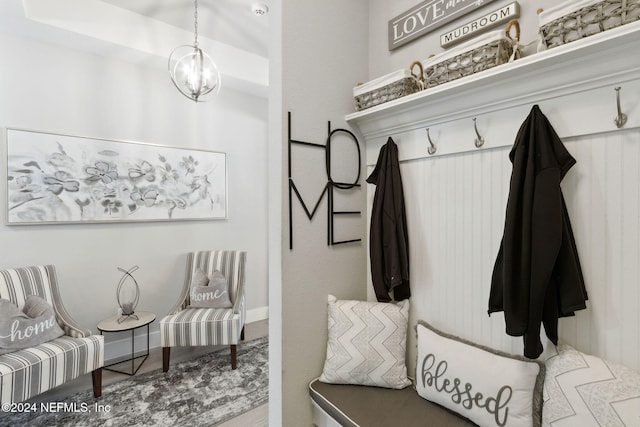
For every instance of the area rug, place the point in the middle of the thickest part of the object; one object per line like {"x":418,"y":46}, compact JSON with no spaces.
{"x":201,"y":392}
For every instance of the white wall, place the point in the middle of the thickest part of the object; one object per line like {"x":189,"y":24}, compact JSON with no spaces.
{"x":61,"y":90}
{"x":276,"y":172}
{"x":323,"y":53}
{"x":455,"y":213}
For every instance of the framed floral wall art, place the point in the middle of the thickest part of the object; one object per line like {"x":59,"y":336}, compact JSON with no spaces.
{"x":70,"y":179}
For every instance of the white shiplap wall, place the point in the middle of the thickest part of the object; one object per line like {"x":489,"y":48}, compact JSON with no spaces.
{"x":456,"y":198}
{"x":455,"y":211}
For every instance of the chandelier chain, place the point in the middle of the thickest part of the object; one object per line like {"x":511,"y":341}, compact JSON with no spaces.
{"x":195,"y":25}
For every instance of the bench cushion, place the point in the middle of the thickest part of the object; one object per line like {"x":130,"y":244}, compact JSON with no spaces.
{"x":354,"y":405}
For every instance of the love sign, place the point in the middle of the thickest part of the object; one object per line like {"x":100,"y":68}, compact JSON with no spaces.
{"x":426,"y":17}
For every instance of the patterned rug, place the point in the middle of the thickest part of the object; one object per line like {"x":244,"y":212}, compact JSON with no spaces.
{"x":199,"y":392}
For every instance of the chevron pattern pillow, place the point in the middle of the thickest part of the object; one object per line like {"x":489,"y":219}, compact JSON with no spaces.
{"x":367,"y":343}
{"x":585,"y":390}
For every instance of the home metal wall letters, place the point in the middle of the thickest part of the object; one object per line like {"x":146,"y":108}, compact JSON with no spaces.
{"x":329,"y":188}
{"x":426,"y":17}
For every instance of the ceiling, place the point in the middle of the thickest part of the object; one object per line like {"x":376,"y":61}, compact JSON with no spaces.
{"x":146,"y":31}
{"x":228,"y":21}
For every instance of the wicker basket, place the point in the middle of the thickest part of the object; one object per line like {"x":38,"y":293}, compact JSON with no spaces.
{"x":577,"y":19}
{"x":389,"y":87}
{"x":482,"y":53}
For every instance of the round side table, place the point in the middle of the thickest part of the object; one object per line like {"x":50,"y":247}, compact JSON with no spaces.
{"x":118,"y":324}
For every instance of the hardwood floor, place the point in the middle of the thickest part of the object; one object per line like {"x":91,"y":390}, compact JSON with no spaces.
{"x":258,"y":417}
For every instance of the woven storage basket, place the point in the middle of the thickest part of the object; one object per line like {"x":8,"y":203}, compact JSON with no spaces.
{"x":482,"y":53}
{"x":576,"y":19}
{"x":389,"y":87}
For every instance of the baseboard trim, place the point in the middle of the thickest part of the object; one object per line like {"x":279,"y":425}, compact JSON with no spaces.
{"x":257,"y":314}
{"x":121,"y":348}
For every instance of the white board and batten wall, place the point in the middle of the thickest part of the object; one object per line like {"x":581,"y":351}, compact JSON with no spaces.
{"x":456,"y":198}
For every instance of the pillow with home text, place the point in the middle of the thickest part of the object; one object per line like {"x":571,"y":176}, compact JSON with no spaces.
{"x":488,"y":387}
{"x":34,"y":325}
{"x":213,"y":294}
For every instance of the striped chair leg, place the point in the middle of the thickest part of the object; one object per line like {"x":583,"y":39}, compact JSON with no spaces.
{"x":96,"y":376}
{"x":234,"y":363}
{"x":166,"y":352}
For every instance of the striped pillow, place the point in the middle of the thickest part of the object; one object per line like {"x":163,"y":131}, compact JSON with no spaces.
{"x":367,"y":343}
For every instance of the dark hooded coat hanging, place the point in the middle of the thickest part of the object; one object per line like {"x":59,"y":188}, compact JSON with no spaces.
{"x":537,"y":276}
{"x":388,"y":238}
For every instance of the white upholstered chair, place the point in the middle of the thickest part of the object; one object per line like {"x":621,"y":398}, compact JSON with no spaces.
{"x":188,"y":326}
{"x":28,"y":372}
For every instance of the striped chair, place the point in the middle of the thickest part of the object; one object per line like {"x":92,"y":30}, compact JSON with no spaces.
{"x":187,"y":326}
{"x":29,"y":372}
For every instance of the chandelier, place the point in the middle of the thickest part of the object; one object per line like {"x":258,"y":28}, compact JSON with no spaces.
{"x":192,"y":71}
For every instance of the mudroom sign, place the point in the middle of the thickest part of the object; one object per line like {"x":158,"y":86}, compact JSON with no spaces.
{"x":426,"y":17}
{"x":473,"y":28}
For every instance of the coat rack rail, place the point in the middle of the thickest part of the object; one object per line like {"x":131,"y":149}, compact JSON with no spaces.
{"x":571,"y":115}
{"x":572,"y":84}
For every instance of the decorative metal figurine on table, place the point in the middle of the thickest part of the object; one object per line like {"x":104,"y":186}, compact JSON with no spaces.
{"x":128,"y":296}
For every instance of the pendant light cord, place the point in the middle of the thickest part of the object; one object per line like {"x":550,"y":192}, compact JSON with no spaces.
{"x":195,"y":25}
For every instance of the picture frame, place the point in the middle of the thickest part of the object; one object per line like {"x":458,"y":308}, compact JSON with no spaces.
{"x":61,"y":179}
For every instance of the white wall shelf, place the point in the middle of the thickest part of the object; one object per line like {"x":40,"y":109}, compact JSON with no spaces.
{"x":573,"y":84}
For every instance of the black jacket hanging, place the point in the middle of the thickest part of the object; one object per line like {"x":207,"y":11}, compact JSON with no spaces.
{"x":388,"y":238}
{"x":537,"y":276}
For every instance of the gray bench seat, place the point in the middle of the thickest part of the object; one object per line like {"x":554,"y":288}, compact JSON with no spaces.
{"x":355,"y":405}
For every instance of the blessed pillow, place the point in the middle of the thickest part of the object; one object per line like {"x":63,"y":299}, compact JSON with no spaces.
{"x":34,"y":325}
{"x":367,"y":343}
{"x":215,"y":294}
{"x":583,"y":390}
{"x":485,"y":386}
